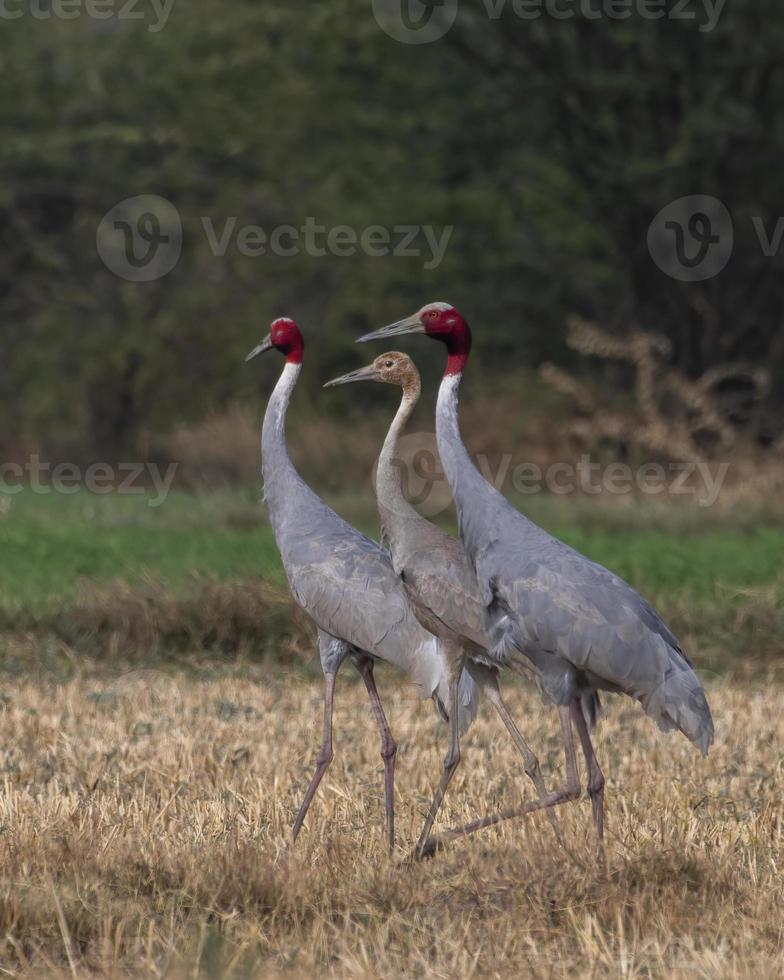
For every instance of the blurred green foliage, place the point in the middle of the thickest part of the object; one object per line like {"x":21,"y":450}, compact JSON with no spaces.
{"x":549,"y":145}
{"x":51,"y":545}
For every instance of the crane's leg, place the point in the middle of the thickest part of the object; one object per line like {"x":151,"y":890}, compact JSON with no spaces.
{"x":530,"y":762}
{"x":388,"y":746}
{"x":452,"y":759}
{"x":595,"y":778}
{"x":324,"y":757}
{"x":570,"y":791}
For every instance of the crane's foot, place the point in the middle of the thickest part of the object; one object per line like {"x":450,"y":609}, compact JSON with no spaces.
{"x":423,"y":852}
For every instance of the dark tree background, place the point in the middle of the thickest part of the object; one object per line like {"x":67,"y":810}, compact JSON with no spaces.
{"x":549,"y":145}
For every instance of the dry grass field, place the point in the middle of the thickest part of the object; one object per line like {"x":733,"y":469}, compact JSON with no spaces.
{"x":144,"y":821}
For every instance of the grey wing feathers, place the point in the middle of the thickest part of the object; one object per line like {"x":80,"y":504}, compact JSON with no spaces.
{"x":348,"y":586}
{"x":438,"y":572}
{"x":344,"y":580}
{"x":561,"y":606}
{"x":434,"y":568}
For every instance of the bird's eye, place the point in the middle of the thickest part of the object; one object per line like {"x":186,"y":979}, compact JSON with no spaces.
{"x":432,"y":314}
{"x":388,"y":363}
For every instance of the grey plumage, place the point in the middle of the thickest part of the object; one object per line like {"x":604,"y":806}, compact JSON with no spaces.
{"x":582,"y":626}
{"x":342,"y":579}
{"x":431,"y":563}
{"x":347,"y":585}
{"x":547,"y":607}
{"x":441,"y":586}
{"x":438,"y":582}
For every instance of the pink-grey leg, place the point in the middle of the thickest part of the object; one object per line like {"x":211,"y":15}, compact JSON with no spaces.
{"x":595,"y":778}
{"x":324,"y":757}
{"x":388,"y":746}
{"x":570,"y":791}
{"x":530,"y":762}
{"x":452,"y":759}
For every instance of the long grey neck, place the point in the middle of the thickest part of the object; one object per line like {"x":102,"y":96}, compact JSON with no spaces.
{"x":467,"y":484}
{"x":277,"y":470}
{"x":396,"y":513}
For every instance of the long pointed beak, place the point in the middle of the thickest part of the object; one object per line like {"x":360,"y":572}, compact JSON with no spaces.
{"x":411,"y":324}
{"x":369,"y":373}
{"x":266,"y":344}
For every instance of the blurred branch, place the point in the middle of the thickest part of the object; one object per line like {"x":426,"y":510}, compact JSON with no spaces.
{"x":681,"y":434}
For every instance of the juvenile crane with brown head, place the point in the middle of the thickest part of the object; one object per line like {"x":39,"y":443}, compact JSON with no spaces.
{"x":437,"y":579}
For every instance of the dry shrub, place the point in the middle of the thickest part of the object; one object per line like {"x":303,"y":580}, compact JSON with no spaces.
{"x":673,"y":417}
{"x":223,"y":448}
{"x":337,"y":455}
{"x":123,"y":621}
{"x":744,"y":638}
{"x":493,"y":427}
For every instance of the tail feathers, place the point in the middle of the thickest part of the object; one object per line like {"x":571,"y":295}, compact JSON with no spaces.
{"x":441,"y":706}
{"x":468,"y":701}
{"x":592,"y":707}
{"x":680,"y":702}
{"x":430,"y":673}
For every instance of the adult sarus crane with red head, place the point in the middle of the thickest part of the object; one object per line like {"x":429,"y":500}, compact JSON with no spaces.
{"x":345,"y":582}
{"x":582,"y":628}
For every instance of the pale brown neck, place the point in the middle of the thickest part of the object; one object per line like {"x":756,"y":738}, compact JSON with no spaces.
{"x":395,"y":511}
{"x":412,"y":386}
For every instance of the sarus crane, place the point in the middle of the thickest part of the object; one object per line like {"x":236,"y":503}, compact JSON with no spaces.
{"x":580,"y":626}
{"x":346,"y":584}
{"x":437,"y":579}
